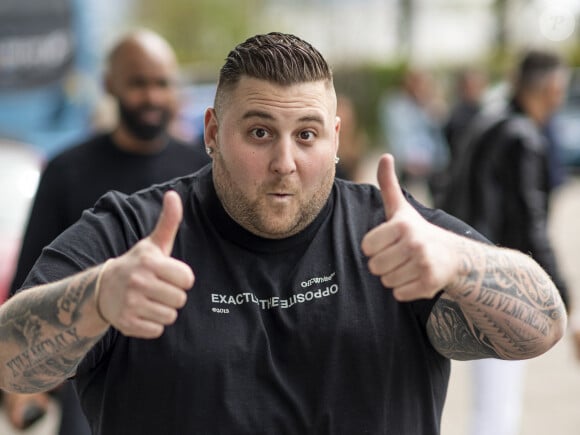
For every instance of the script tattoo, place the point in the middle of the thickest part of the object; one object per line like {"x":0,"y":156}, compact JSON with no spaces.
{"x":42,"y":327}
{"x":502,"y":308}
{"x":69,"y":303}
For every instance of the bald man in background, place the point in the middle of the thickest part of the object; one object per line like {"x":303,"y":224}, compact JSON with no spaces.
{"x":141,"y":76}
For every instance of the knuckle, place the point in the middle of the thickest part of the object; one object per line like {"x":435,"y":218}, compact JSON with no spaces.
{"x":135,"y":280}
{"x":171,"y":317}
{"x":366,"y":245}
{"x":148,"y":259}
{"x":124,"y":326}
{"x":385,"y":281}
{"x":181,"y":300}
{"x":372,"y":265}
{"x":425,"y":264}
{"x":428,"y":282}
{"x":403,"y":228}
{"x":156,"y":331}
{"x":131,"y":301}
{"x":397,"y":294}
{"x":190,"y":278}
{"x":415,"y":247}
{"x":140,"y":248}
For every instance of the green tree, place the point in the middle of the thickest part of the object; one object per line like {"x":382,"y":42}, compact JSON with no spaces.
{"x":201,"y":31}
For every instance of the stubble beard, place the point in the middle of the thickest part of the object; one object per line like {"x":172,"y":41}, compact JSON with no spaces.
{"x":260,"y":218}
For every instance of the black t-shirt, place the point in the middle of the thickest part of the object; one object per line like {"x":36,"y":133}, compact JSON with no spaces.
{"x":291,"y":336}
{"x":74,"y":180}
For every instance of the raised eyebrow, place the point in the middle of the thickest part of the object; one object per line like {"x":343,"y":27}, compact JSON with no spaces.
{"x":312,"y":118}
{"x":257,"y":114}
{"x":266,"y":115}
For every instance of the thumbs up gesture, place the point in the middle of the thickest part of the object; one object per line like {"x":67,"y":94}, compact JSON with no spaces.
{"x":412,"y":256}
{"x":141,"y":291}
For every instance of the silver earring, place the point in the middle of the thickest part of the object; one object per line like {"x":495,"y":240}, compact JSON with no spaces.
{"x":336,"y":159}
{"x":209,"y":150}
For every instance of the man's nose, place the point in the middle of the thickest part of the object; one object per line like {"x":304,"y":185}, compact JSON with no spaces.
{"x":154,"y":95}
{"x":283,"y":158}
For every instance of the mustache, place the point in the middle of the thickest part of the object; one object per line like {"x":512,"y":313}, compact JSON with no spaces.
{"x":282,"y":185}
{"x":149,"y":107}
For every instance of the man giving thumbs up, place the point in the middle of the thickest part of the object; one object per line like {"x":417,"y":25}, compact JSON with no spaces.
{"x":320,"y":306}
{"x":143,"y":289}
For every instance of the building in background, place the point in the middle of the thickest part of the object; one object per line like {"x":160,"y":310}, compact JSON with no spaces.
{"x":422,"y":32}
{"x":51,"y":51}
{"x":50,"y":55}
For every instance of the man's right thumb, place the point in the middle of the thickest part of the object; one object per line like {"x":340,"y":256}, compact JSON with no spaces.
{"x":166,"y":229}
{"x":393,"y":198}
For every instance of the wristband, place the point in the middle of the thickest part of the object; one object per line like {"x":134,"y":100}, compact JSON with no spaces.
{"x":98,"y":290}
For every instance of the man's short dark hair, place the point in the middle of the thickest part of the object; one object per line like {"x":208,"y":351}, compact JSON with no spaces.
{"x":534,"y":67}
{"x":279,"y":58}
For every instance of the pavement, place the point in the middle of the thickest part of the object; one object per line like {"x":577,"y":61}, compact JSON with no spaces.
{"x":552,"y":381}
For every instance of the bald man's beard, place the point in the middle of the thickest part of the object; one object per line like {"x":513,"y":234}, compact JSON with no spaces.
{"x":132,"y":119}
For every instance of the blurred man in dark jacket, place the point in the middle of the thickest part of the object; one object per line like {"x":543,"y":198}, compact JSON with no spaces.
{"x":501,"y":184}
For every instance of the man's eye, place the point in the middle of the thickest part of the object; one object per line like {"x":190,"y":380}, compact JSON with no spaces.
{"x":163,"y":83}
{"x":137,"y":83}
{"x":306,"y":135}
{"x":260,"y":133}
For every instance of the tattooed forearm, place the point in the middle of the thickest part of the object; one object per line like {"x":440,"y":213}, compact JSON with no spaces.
{"x":74,"y":294}
{"x":41,"y":351}
{"x":504,"y":305}
{"x":44,"y":367}
{"x":526,"y":313}
{"x":46,"y":331}
{"x":454,"y":335}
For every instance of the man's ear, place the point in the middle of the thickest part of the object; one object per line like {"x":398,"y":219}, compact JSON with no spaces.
{"x":210,"y":122}
{"x":337,"y":125}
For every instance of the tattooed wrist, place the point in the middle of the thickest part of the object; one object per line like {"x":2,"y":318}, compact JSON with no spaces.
{"x":47,"y":331}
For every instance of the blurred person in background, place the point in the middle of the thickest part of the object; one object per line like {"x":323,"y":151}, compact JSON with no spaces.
{"x":556,"y":168}
{"x":501,"y":186}
{"x":264,"y":295}
{"x":470,"y":85}
{"x":142,"y":78}
{"x":411,"y":120}
{"x":353,"y":141}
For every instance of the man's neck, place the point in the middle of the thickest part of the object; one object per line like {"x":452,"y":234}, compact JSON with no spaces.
{"x":534,"y":109}
{"x":129,"y":143}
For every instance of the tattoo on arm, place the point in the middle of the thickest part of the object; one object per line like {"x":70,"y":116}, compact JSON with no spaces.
{"x":454,"y":336}
{"x":502,"y":308}
{"x":42,"y":330}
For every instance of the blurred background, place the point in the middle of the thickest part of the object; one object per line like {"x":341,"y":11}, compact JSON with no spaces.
{"x":52,"y":56}
{"x":52,"y":52}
